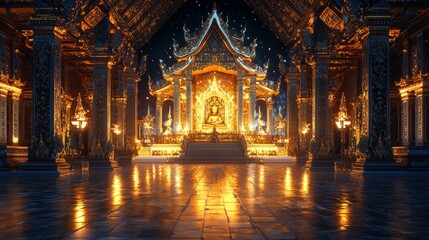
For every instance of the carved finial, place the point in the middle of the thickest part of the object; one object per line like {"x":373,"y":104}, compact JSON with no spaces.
{"x":266,"y":65}
{"x":214,"y":6}
{"x":162,"y":64}
{"x":169,"y":112}
{"x":150,"y":83}
{"x":343,"y":107}
{"x":148,"y":111}
{"x":253,"y":44}
{"x":175,"y":45}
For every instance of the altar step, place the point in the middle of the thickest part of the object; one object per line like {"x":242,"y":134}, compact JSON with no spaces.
{"x":214,"y":152}
{"x":228,"y":160}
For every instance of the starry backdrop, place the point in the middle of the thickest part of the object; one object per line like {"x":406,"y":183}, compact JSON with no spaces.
{"x":192,"y":13}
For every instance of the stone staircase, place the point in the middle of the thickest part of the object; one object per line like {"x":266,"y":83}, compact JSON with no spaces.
{"x":214,"y":152}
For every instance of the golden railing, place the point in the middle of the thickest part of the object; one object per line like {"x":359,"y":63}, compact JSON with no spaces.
{"x":169,"y":139}
{"x":211,"y":137}
{"x":261,"y":139}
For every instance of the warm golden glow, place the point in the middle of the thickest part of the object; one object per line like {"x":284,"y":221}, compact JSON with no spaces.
{"x":305,"y":128}
{"x":136,"y":180}
{"x":148,"y":185}
{"x":79,"y":213}
{"x":342,"y":121}
{"x":261,"y":180}
{"x":116,"y":130}
{"x":214,"y":90}
{"x":305,"y":183}
{"x":168,"y":176}
{"x":178,"y":181}
{"x":343,"y":213}
{"x":15,"y":140}
{"x":79,"y":118}
{"x":116,"y":190}
{"x":250,"y":183}
{"x":288,"y":182}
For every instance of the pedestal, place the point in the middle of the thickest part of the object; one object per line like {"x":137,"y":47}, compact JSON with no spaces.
{"x":325,"y":164}
{"x":102,"y":164}
{"x":362,"y":165}
{"x":57,"y":167}
{"x":412,"y":158}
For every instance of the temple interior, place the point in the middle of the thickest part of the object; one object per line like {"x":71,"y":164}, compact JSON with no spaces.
{"x":212,"y":101}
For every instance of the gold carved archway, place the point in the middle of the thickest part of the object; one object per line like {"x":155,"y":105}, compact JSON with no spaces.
{"x":225,"y":105}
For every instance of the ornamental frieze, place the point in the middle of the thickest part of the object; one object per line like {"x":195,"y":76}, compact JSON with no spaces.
{"x":331,"y":19}
{"x":94,"y":17}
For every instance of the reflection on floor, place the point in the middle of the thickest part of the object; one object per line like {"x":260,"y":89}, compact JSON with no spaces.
{"x":250,"y":201}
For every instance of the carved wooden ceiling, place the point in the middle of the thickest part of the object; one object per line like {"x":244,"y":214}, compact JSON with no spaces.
{"x":138,"y":20}
{"x":142,"y":18}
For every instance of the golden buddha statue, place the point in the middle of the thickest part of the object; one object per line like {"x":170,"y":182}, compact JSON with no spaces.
{"x":214,"y":117}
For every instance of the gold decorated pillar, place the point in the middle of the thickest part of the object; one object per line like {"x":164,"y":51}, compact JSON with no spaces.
{"x":375,"y":151}
{"x":3,"y":115}
{"x":45,"y":152}
{"x":120,"y":107}
{"x":177,"y":105}
{"x":189,"y":108}
{"x":13,"y":118}
{"x":132,"y":78}
{"x":270,"y":113}
{"x":422,"y":110}
{"x":292,"y":80}
{"x":158,"y":115}
{"x":240,"y":100}
{"x":252,"y":102}
{"x":407,"y":112}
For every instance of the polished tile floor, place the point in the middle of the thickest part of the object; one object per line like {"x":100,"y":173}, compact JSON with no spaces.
{"x":214,"y":201}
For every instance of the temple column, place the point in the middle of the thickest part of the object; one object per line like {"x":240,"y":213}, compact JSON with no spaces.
{"x":45,"y":151}
{"x":189,"y":108}
{"x":67,"y":102}
{"x":240,"y":81}
{"x":131,"y":110}
{"x":304,"y":108}
{"x":177,"y":110}
{"x":376,"y":152}
{"x":158,"y":116}
{"x":407,"y":126}
{"x":292,"y":80}
{"x":252,"y":103}
{"x":422,"y":112}
{"x":3,"y":116}
{"x":101,"y":144}
{"x":120,"y":107}
{"x":270,"y":114}
{"x":320,"y":156}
